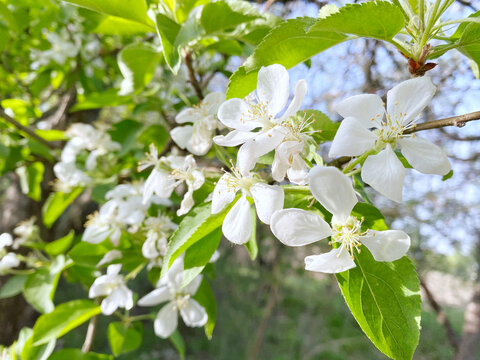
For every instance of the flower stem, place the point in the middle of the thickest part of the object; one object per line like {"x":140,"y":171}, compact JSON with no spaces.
{"x":358,"y":160}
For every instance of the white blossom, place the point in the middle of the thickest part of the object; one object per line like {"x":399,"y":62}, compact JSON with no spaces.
{"x":245,"y":116}
{"x":124,"y":209}
{"x":168,"y":173}
{"x":60,"y":51}
{"x":158,"y":230}
{"x":8,"y":260}
{"x":169,"y":289}
{"x":368,"y":125}
{"x":197,"y":137}
{"x":238,"y":224}
{"x":110,"y":256}
{"x":334,"y":191}
{"x":112,"y":285}
{"x":83,"y":137}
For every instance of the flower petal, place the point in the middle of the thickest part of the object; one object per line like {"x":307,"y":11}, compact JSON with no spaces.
{"x":385,"y":173}
{"x":351,"y":139}
{"x":166,"y":321}
{"x":335,"y":261}
{"x":389,"y":245}
{"x":298,"y":95}
{"x":237,"y":226}
{"x":5,"y":240}
{"x":366,"y":108}
{"x":283,"y":153}
{"x":194,"y":314}
{"x":297,"y":227}
{"x":181,"y":135}
{"x":407,"y":100}
{"x":234,"y":113}
{"x":268,"y":199}
{"x":156,"y":297}
{"x":188,"y":115}
{"x":298,"y":172}
{"x":234,"y":138}
{"x":273,"y":87}
{"x":424,"y":156}
{"x":109,"y":304}
{"x":223,"y":194}
{"x":333,"y":190}
{"x":193,"y":286}
{"x":213,"y":101}
{"x":201,"y":139}
{"x":260,"y":145}
{"x":158,"y":182}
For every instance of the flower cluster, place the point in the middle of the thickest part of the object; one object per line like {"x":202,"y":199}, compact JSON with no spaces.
{"x":70,"y":171}
{"x":262,"y":125}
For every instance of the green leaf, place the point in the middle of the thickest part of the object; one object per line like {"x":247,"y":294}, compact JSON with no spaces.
{"x":13,"y":286}
{"x":9,"y":18}
{"x":375,"y":19}
{"x":124,"y":338}
{"x":112,"y":25}
{"x":288,"y":44}
{"x":384,"y":298}
{"x":168,"y":30}
{"x":199,"y":223}
{"x":64,"y":318}
{"x":40,"y":352}
{"x":222,"y":15}
{"x":135,"y":10}
{"x":447,"y":175}
{"x":56,"y":204}
{"x":199,"y":254}
{"x":185,"y":6}
{"x":137,"y":63}
{"x":373,"y":218}
{"x":177,"y":340}
{"x":470,"y":45}
{"x":77,"y":354}
{"x":325,"y":129}
{"x":60,"y":246}
{"x":31,"y":177}
{"x":106,"y":98}
{"x":40,"y":286}
{"x":155,"y":134}
{"x":125,"y":133}
{"x":88,"y":254}
{"x":251,"y":245}
{"x":205,"y":297}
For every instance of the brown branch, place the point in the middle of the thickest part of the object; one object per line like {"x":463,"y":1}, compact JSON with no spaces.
{"x":92,"y":326}
{"x":458,"y":121}
{"x":25,"y":129}
{"x":192,"y":76}
{"x":267,"y":5}
{"x":441,"y":316}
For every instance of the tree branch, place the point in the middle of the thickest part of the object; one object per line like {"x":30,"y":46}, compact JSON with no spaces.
{"x":458,"y":121}
{"x":92,"y":326}
{"x":441,"y":316}
{"x":192,"y":76}
{"x":25,"y":129}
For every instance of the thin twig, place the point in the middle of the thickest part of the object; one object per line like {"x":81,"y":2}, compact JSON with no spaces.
{"x":25,"y":129}
{"x":92,"y":326}
{"x":458,"y":121}
{"x":192,"y":76}
{"x":267,"y":5}
{"x":441,"y":316}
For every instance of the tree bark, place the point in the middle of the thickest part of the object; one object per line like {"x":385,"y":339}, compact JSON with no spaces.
{"x":469,"y":343}
{"x":15,"y":313}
